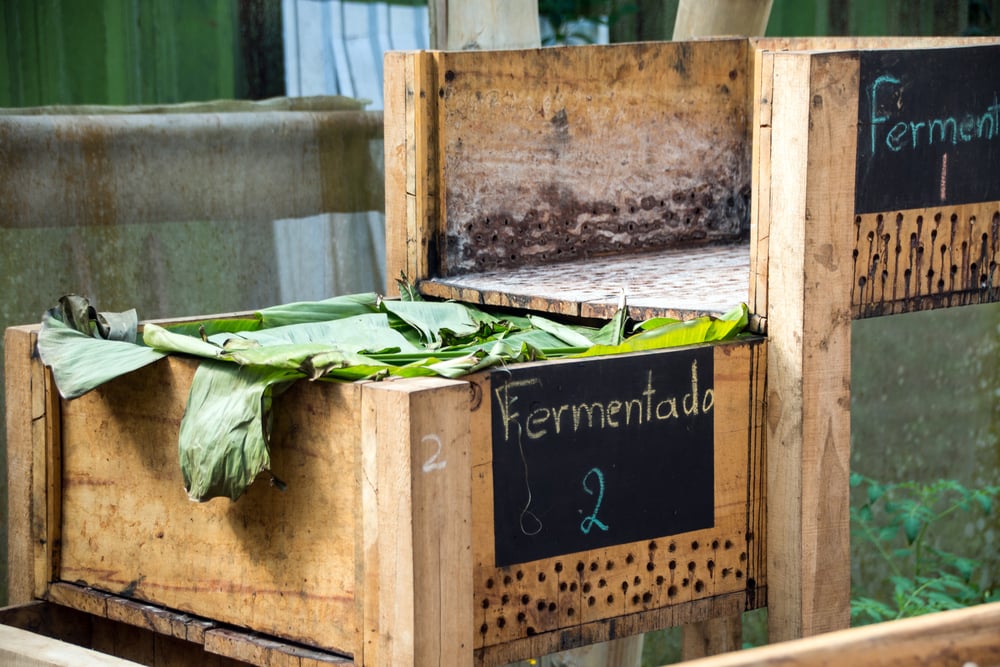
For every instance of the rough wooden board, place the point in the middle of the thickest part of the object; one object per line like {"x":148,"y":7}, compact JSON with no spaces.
{"x":808,"y":320}
{"x":564,"y":153}
{"x":270,"y":561}
{"x":682,"y":283}
{"x":760,"y":205}
{"x":396,"y":146}
{"x":960,"y":637}
{"x":417,"y":533}
{"x":927,"y":258}
{"x":547,"y":605}
{"x":21,"y":470}
{"x":20,"y":648}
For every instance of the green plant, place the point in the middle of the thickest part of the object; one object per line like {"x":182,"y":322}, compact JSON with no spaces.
{"x":901,"y":522}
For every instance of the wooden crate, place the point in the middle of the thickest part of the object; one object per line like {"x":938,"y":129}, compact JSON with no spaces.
{"x":387,"y":525}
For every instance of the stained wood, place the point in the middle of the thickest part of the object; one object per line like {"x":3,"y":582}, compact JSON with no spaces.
{"x":677,"y":283}
{"x":21,"y":469}
{"x":527,"y":142}
{"x":808,"y":320}
{"x":560,"y":602}
{"x":959,"y":637}
{"x":269,"y":562}
{"x":416,"y":531}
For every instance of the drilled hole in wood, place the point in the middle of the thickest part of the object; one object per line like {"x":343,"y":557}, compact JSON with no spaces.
{"x":871,"y":236}
{"x":483,"y":629}
{"x":699,"y":586}
{"x":541,"y":605}
{"x":739,"y":574}
{"x":937,"y":217}
{"x":862,"y":281}
{"x":624,"y":586}
{"x":501,"y":622}
{"x":672,"y":592}
{"x":593,"y":566}
{"x":629,"y":559}
{"x":857,"y":219}
{"x":521,"y":617}
{"x":552,"y":606}
{"x":504,"y":599}
{"x":586,"y":587}
{"x":489,"y":583}
{"x":525,"y":599}
{"x":684,"y":582}
{"x":715,"y":544}
{"x":558,"y":567}
{"x":659,"y":580}
{"x":711,"y":566}
{"x":530,"y":631}
{"x":579,"y":566}
{"x":743,"y":556}
{"x":672,"y":565}
{"x":650,"y":566}
{"x":878,"y":218}
{"x":672,"y":547}
{"x":694,"y":545}
{"x":507,"y":580}
{"x":899,"y":218}
{"x":591,"y":600}
{"x":519,"y":575}
{"x":611,"y":599}
{"x":572,"y":587}
{"x":486,"y":603}
{"x":691,"y":566}
{"x":541,"y":576}
{"x":563,"y":586}
{"x":636,"y":581}
{"x":635,"y":599}
{"x":728,"y":544}
{"x":601,"y":583}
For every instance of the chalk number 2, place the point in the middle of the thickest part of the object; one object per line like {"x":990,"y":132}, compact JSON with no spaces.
{"x":433,"y":463}
{"x":591,"y":519}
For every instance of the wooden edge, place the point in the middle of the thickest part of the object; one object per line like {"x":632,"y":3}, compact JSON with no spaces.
{"x":215,"y":638}
{"x":809,"y":316}
{"x":957,"y":637}
{"x":29,"y":549}
{"x":416,"y":452}
{"x":728,"y":605}
{"x":22,"y":648}
{"x":763,"y":72}
{"x":265,"y":652}
{"x":712,"y":637}
{"x":397,"y":192}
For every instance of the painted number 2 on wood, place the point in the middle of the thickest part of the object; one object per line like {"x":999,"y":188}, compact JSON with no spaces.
{"x":602,"y":452}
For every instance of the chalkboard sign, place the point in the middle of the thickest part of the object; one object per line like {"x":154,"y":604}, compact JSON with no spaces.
{"x":603,"y":452}
{"x":928,"y":128}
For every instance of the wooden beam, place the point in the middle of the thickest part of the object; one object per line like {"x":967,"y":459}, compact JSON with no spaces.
{"x":462,"y":25}
{"x":20,"y":648}
{"x":809,"y":342}
{"x":959,"y":637}
{"x":416,"y":499}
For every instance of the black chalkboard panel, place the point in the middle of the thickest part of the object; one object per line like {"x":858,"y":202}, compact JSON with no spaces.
{"x":601,"y":452}
{"x":928,"y":128}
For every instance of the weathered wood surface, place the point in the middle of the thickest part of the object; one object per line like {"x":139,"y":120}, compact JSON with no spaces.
{"x":813,"y":126}
{"x":20,"y":648}
{"x":556,"y":154}
{"x":698,"y":18}
{"x":561,"y":602}
{"x":416,"y":551}
{"x":960,"y":637}
{"x":281,"y":563}
{"x":681,"y":283}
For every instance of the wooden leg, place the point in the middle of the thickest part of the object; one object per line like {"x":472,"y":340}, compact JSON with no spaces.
{"x":711,"y":637}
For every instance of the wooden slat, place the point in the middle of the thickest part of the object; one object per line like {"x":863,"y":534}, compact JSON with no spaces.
{"x":395,"y":146}
{"x":681,"y":283}
{"x":808,"y":322}
{"x":960,"y":637}
{"x":20,"y":648}
{"x":760,"y":204}
{"x":417,"y":534}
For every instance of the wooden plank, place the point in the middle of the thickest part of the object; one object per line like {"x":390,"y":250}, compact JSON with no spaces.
{"x":760,"y":204}
{"x":129,"y":528}
{"x":18,"y":351}
{"x":556,"y":603}
{"x":711,"y":637}
{"x":253,"y":650}
{"x":697,"y":18}
{"x":485,"y":24}
{"x":417,"y":534}
{"x":571,"y":139}
{"x":20,"y":648}
{"x":808,"y":322}
{"x":681,"y":283}
{"x":397,"y":194}
{"x":959,"y":637}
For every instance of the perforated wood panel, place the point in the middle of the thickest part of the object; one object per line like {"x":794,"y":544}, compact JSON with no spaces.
{"x":926,"y":258}
{"x":599,"y":594}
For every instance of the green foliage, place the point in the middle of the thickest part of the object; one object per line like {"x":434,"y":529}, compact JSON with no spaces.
{"x":899,"y":521}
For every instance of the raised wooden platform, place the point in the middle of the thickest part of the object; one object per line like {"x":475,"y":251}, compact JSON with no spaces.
{"x":677,"y":282}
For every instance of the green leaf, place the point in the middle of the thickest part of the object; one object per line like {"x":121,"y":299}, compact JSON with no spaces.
{"x":80,"y":362}
{"x":318,"y":311}
{"x":911,"y":527}
{"x":223,"y":442}
{"x":428,"y":318}
{"x":165,"y":341}
{"x":875,"y":491}
{"x":569,"y":336}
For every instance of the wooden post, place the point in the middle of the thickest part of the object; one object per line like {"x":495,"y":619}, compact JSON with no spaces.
{"x":701,"y":18}
{"x":417,"y":500}
{"x":809,"y":278}
{"x":461,"y":25}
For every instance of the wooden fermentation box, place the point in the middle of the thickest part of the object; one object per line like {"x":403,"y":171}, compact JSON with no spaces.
{"x":520,"y":511}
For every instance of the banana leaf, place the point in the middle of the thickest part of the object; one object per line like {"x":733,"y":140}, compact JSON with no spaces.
{"x":335,"y":308}
{"x":82,"y":360}
{"x":225,"y":430}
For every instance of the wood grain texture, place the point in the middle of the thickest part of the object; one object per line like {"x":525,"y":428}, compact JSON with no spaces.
{"x":809,"y":315}
{"x":20,"y":648}
{"x":18,"y":346}
{"x":959,"y":637}
{"x":561,"y":602}
{"x":417,"y":530}
{"x":281,"y":563}
{"x":562,"y":153}
{"x":681,"y":283}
